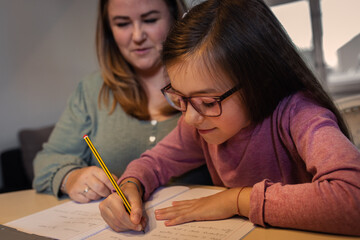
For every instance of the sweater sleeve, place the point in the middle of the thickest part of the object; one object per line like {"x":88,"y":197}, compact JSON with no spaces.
{"x":178,"y":153}
{"x":65,"y":149}
{"x":330,"y":202}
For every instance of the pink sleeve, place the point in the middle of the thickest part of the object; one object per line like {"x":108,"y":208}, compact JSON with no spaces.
{"x":331,"y":202}
{"x":177,"y":153}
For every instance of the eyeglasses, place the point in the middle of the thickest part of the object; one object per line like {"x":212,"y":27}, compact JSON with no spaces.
{"x":206,"y":106}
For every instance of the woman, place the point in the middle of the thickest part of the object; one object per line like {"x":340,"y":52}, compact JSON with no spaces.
{"x":121,"y":109}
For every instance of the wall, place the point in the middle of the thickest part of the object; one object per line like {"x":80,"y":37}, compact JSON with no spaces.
{"x":46,"y":48}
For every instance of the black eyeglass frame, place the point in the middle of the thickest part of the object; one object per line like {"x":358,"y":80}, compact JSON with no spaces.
{"x":218,"y":99}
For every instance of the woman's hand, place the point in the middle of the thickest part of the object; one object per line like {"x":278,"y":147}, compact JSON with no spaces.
{"x":218,"y":206}
{"x":114,"y":213}
{"x":86,"y":184}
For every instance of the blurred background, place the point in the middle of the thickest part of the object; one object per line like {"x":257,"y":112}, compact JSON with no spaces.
{"x":48,"y":46}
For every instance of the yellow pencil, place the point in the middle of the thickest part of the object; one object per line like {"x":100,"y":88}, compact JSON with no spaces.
{"x":108,"y":174}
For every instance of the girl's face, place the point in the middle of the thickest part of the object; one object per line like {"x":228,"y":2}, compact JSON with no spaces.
{"x":139,"y":28}
{"x":190,"y":79}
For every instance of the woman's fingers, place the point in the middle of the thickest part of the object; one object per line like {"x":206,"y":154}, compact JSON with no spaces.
{"x":91,"y":194}
{"x":90,"y":182}
{"x":99,"y":182}
{"x":80,"y":198}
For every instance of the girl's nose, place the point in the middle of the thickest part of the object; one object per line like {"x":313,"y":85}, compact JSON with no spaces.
{"x":191,"y":116}
{"x":139,"y":35}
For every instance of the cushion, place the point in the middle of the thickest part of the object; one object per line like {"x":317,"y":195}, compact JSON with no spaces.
{"x":13,"y":173}
{"x":31,"y":141}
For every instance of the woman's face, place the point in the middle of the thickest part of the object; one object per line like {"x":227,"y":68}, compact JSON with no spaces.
{"x":191,"y":79}
{"x":139,"y":28}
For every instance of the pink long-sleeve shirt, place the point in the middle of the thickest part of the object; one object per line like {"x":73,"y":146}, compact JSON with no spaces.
{"x":304,"y":172}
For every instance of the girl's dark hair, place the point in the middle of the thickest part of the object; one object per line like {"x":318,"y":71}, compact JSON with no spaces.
{"x":246,"y":41}
{"x":177,"y":8}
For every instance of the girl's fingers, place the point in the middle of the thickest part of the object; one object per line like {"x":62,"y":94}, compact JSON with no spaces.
{"x":206,"y":208}
{"x":114,"y":213}
{"x":184,"y":202}
{"x":183,"y":208}
{"x":178,"y":220}
{"x":176,"y":206}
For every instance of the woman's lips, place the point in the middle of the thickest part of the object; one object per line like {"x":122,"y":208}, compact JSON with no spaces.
{"x":142,"y":51}
{"x":206,"y":131}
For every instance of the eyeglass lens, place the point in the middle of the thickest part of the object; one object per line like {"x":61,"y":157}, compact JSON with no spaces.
{"x":204,"y":105}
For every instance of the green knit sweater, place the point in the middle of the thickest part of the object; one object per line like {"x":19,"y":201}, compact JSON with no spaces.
{"x":119,"y":138}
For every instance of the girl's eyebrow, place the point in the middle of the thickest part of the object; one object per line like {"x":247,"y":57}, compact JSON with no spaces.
{"x":203,"y":91}
{"x":144,"y":15}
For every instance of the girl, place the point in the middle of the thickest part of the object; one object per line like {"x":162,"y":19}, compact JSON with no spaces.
{"x":258,"y":117}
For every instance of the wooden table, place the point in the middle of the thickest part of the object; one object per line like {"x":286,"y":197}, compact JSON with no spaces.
{"x":18,"y":204}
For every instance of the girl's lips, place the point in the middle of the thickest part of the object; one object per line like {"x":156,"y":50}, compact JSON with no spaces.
{"x":205,"y":131}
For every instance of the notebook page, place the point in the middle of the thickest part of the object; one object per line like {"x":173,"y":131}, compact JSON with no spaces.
{"x":231,"y":229}
{"x":73,"y":220}
{"x":63,"y":221}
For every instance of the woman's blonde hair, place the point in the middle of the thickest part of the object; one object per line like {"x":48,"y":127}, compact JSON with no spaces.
{"x":120,"y":82}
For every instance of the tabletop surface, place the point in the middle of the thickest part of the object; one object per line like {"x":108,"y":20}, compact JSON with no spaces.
{"x":19,"y":204}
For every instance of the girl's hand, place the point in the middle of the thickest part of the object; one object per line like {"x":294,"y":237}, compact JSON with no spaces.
{"x":218,"y":206}
{"x":89,"y":183}
{"x":114,"y":213}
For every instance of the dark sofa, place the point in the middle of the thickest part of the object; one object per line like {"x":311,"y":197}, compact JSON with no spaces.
{"x":17,"y":163}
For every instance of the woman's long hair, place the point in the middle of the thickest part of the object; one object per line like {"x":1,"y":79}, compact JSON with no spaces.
{"x":246,"y":41}
{"x":120,"y":81}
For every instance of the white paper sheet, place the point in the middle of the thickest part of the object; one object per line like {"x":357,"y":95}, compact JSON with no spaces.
{"x":83,"y":221}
